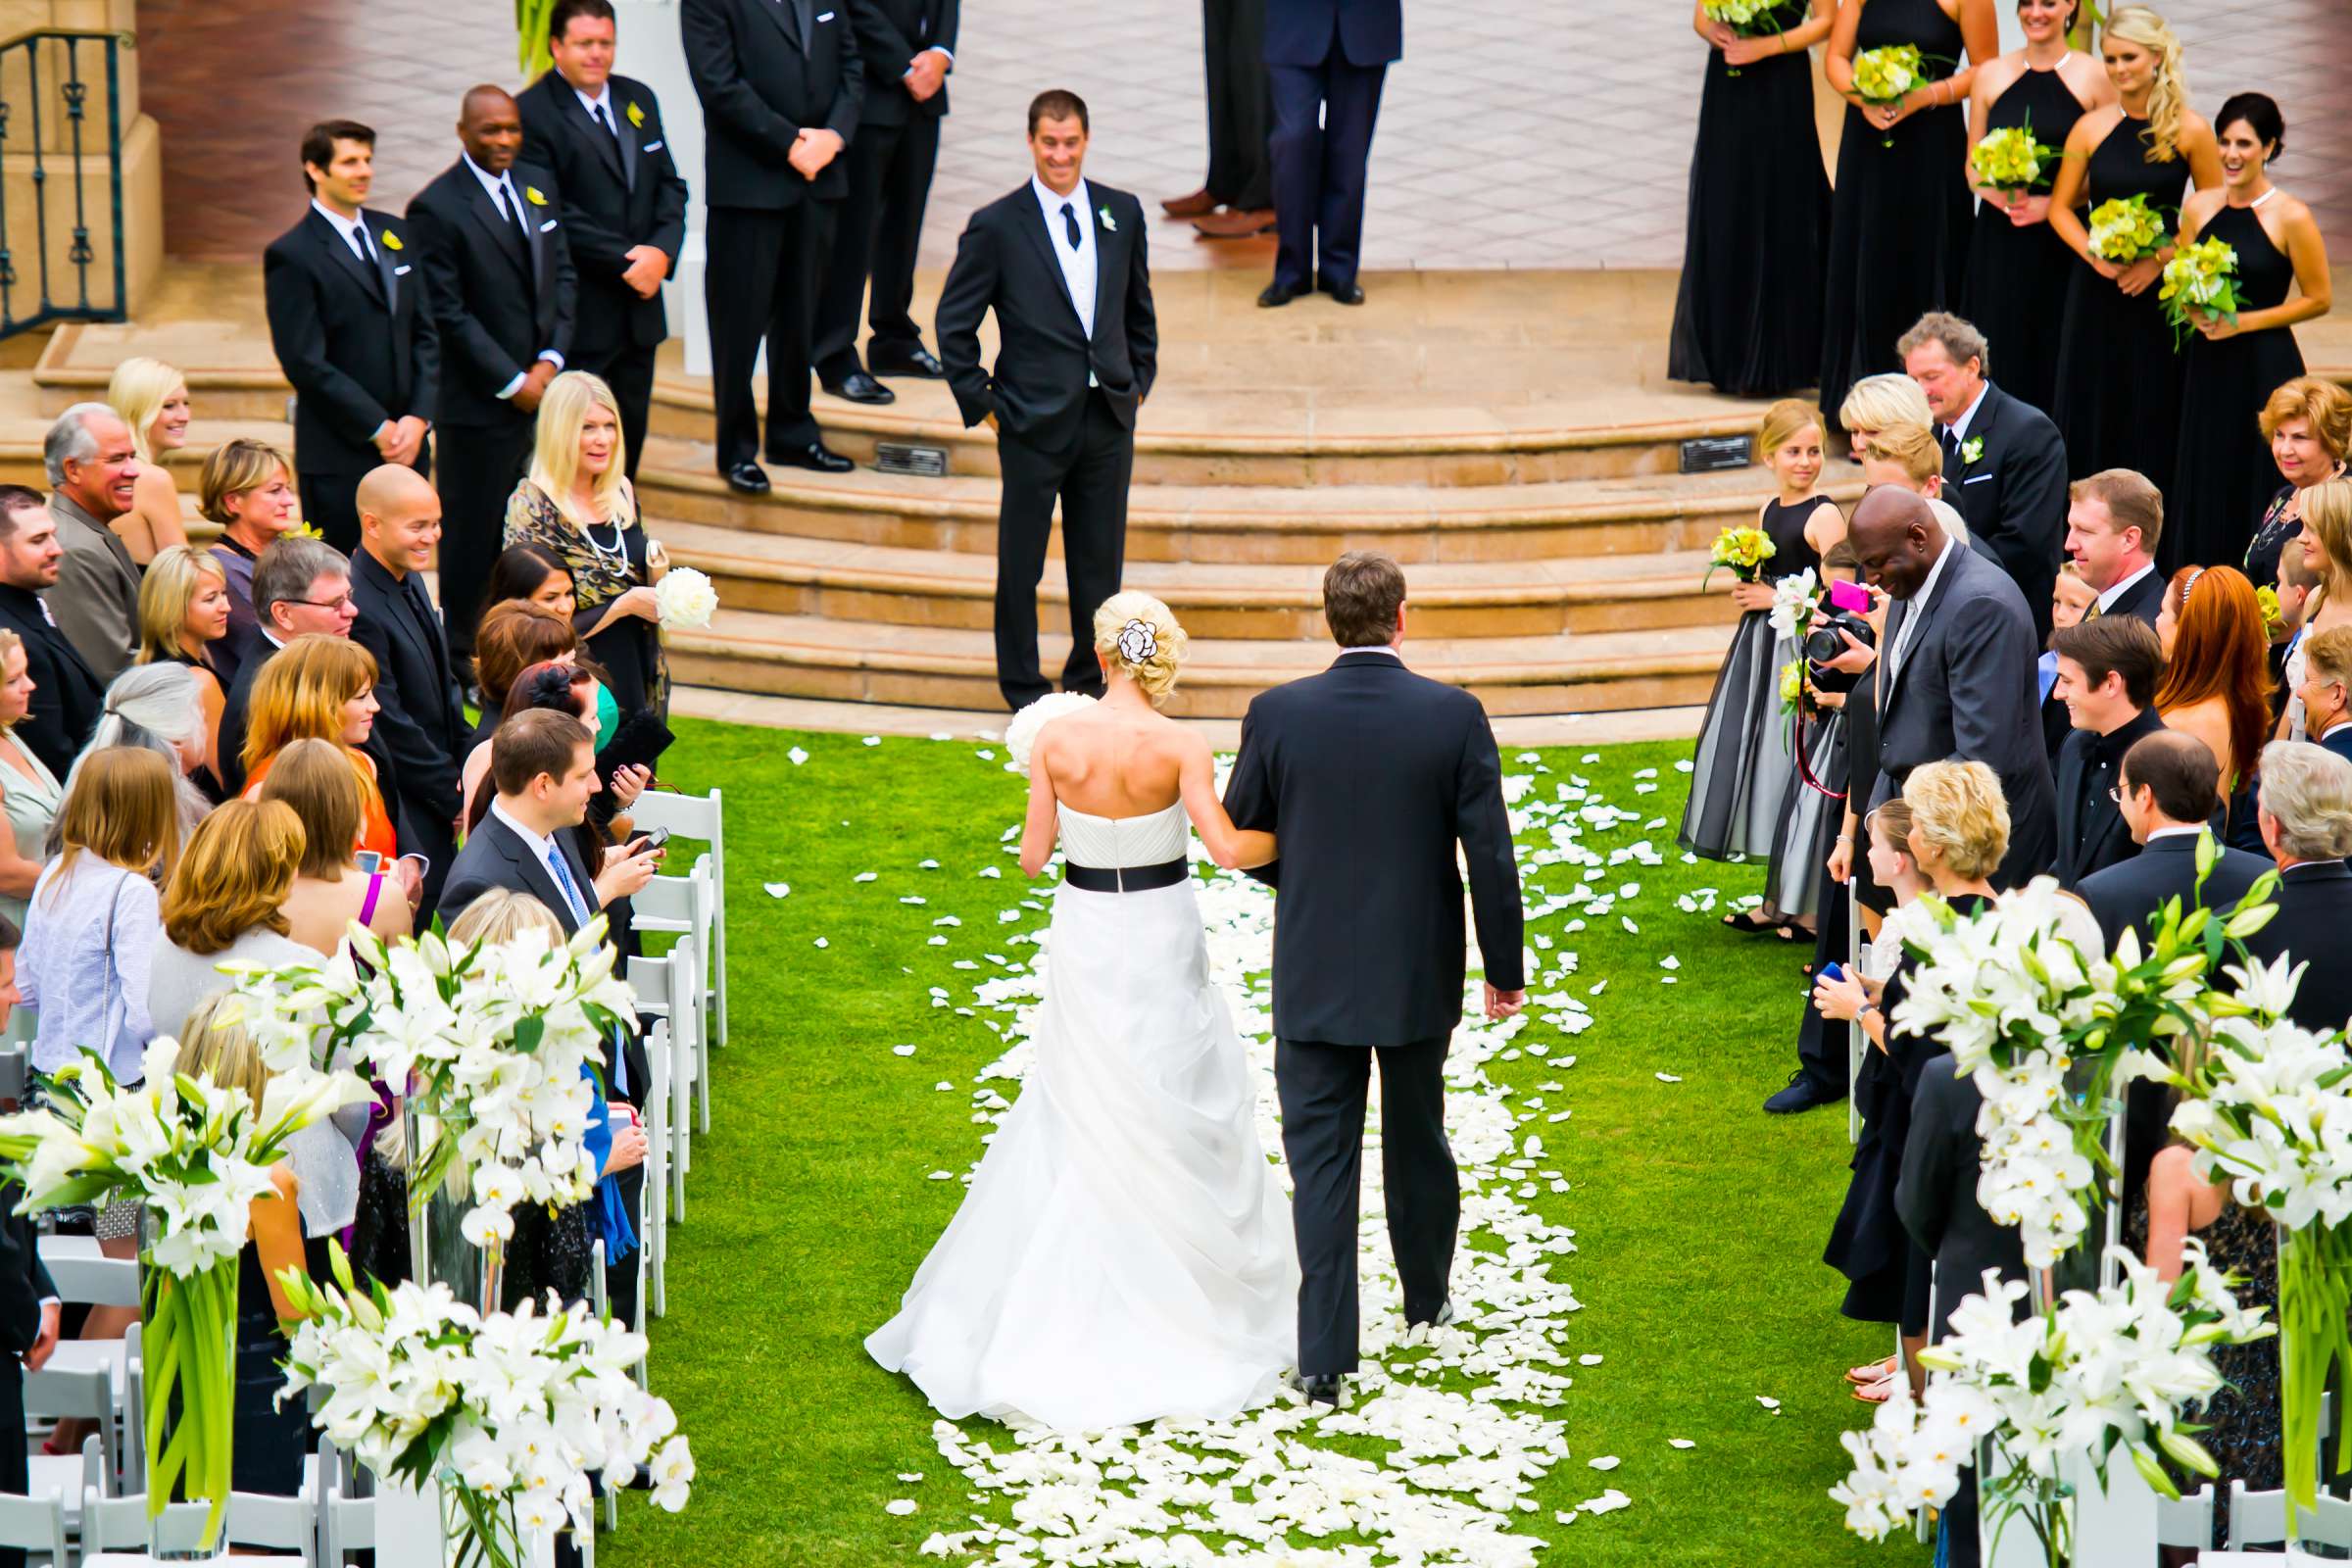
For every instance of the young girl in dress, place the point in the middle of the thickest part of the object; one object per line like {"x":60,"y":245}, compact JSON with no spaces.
{"x":1740,"y":778}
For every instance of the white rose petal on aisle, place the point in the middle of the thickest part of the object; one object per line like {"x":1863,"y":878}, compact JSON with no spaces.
{"x":1021,"y":736}
{"x":685,"y":599}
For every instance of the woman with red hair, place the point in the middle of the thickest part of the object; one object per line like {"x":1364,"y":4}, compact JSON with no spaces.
{"x":2217,"y":671}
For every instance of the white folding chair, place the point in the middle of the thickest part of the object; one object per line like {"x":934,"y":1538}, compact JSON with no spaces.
{"x":2259,"y":1519}
{"x":36,"y":1524}
{"x":282,"y":1525}
{"x":86,"y":1396}
{"x":2187,"y":1522}
{"x":600,"y":1297}
{"x":667,"y":990}
{"x":89,"y":1276}
{"x":653,"y":1292}
{"x":699,"y":818}
{"x":346,"y":1525}
{"x":682,"y":905}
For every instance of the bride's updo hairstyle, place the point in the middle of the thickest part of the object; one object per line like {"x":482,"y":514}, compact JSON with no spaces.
{"x":1138,"y":634}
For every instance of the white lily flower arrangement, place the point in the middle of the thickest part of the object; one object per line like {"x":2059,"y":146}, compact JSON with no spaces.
{"x":2100,"y":1370}
{"x":508,"y":1412}
{"x":1796,"y":599}
{"x":684,"y":599}
{"x":489,"y":1044}
{"x":1021,"y":736}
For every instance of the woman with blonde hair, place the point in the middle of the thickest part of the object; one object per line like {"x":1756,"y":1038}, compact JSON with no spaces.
{"x":320,"y":688}
{"x":183,"y":616}
{"x":247,"y":489}
{"x":577,"y":505}
{"x":2326,"y":549}
{"x":2119,"y":375}
{"x":153,"y":400}
{"x":1879,"y":403}
{"x":1139,"y":1085}
{"x":2308,"y":423}
{"x":226,"y":902}
{"x":316,"y":779}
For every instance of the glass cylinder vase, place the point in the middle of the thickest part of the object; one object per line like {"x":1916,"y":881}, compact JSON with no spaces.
{"x":188,"y":1351}
{"x":2315,"y":1301}
{"x":439,"y":1197}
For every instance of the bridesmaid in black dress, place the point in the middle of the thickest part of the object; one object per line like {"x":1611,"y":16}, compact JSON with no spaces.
{"x":2119,"y":374}
{"x":1747,"y":319}
{"x":2017,"y":267}
{"x":1898,"y":218}
{"x":2227,"y":472}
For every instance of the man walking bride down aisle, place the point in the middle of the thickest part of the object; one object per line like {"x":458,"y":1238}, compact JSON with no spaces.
{"x":1122,"y":1253}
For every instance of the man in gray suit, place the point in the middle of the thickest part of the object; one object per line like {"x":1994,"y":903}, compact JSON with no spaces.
{"x":92,"y":469}
{"x":1960,"y":683}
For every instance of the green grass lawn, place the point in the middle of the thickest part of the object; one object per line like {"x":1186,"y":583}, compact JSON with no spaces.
{"x":1699,"y":1221}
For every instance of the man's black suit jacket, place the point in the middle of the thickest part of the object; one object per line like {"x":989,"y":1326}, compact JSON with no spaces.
{"x":494,"y":856}
{"x":889,"y":33}
{"x":1966,"y":690}
{"x":1368,"y":775}
{"x":358,"y":342}
{"x":2314,"y":922}
{"x":1038,"y":389}
{"x":2144,"y":597}
{"x":500,"y":297}
{"x":760,"y":80}
{"x":423,"y":723}
{"x":66,"y":696}
{"x":2091,"y":834}
{"x":2013,"y":496}
{"x":1306,"y":33}
{"x":616,"y":194}
{"x":1936,"y":1191}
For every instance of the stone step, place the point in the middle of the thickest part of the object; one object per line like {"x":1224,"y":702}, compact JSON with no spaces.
{"x":784,"y":575}
{"x":933,"y":666}
{"x":1225,"y":524}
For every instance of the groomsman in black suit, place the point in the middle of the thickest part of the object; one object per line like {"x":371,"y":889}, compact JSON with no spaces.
{"x":597,"y":139}
{"x":2171,"y":786}
{"x":1327,"y":59}
{"x":2114,"y":519}
{"x":781,"y":85}
{"x":422,"y":719}
{"x":2107,"y":674}
{"x":1241,"y":115}
{"x":1062,"y":263}
{"x":2005,"y":462}
{"x":502,"y":278}
{"x":2305,"y":812}
{"x":353,"y":330}
{"x":66,"y":696}
{"x":908,"y":47}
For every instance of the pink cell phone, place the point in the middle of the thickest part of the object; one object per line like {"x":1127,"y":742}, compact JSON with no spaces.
{"x":1850,"y":596}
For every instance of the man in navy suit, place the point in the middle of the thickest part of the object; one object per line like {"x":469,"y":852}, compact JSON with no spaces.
{"x":2114,"y":519}
{"x":2107,"y":673}
{"x":2305,"y":813}
{"x":1327,"y":59}
{"x":2327,"y":689}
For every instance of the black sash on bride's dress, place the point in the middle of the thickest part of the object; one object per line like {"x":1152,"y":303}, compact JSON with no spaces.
{"x":1127,"y":878}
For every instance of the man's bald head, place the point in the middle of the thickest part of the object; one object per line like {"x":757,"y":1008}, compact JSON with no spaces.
{"x":400,"y":518}
{"x":1895,"y":537}
{"x":490,"y":126}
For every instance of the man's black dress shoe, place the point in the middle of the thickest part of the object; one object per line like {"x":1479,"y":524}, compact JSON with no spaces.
{"x":921,"y":362}
{"x":860,"y":387}
{"x":1323,"y":1390}
{"x":1443,"y":1319}
{"x":745,"y":479}
{"x":1347,"y":293}
{"x":1274,"y":294}
{"x":815,"y":454}
{"x":1803,"y":1094}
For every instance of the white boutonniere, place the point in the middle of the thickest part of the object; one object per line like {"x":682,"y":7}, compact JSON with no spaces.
{"x":533,"y":195}
{"x":636,"y":116}
{"x":1104,"y":213}
{"x":1972,"y":449}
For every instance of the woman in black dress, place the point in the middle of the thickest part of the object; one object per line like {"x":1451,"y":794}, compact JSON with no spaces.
{"x":2017,"y":267}
{"x":2234,"y":365}
{"x":1898,"y":218}
{"x":2119,"y":374}
{"x":2308,"y":423}
{"x":1748,"y":320}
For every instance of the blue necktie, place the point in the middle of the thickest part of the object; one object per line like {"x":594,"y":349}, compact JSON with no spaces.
{"x":571,"y":890}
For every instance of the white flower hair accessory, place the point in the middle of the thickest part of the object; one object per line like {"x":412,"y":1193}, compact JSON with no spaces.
{"x":1139,"y":644}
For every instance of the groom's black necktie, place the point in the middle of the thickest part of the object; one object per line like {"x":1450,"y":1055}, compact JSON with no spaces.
{"x":1069,"y":223}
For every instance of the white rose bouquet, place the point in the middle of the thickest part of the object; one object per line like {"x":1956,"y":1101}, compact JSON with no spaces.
{"x":1021,"y":736}
{"x":685,"y":599}
{"x":2100,"y":1370}
{"x":489,"y":1045}
{"x":507,"y":1413}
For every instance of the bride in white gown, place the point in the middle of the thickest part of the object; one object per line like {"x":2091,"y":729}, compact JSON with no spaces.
{"x":1124,"y":1252}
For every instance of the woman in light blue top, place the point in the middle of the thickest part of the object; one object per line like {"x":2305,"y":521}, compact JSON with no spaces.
{"x":29,"y":799}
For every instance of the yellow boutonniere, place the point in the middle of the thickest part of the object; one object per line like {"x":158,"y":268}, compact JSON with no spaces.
{"x":636,"y":116}
{"x":391,"y":240}
{"x":531,"y":194}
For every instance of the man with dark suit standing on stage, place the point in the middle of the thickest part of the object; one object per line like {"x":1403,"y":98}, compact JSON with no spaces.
{"x":1328,"y":59}
{"x":1062,"y":263}
{"x":500,"y":272}
{"x":598,"y":140}
{"x":908,"y":47}
{"x":781,"y":85}
{"x":353,"y":331}
{"x":1241,"y":115}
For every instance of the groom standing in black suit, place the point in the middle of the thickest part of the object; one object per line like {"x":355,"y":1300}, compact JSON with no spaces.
{"x":1369,"y":775}
{"x":2005,"y":462}
{"x":1062,"y":263}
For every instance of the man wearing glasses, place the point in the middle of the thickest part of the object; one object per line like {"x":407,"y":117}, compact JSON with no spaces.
{"x":300,"y":586}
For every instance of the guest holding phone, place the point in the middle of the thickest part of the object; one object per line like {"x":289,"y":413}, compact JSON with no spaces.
{"x":336,"y":882}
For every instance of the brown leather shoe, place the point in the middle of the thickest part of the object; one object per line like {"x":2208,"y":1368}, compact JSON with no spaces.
{"x":1192,"y":206}
{"x":1235,"y":224}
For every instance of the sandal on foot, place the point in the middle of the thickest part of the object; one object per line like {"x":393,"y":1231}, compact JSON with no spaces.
{"x":1755,"y":924}
{"x":1872,"y":1373}
{"x":1877,"y":1393}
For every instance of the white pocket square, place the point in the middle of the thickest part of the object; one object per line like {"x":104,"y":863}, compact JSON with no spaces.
{"x":651,"y":147}
{"x":828,"y":17}
{"x":401,"y":271}
{"x":544,"y":228}
{"x":1977,"y":479}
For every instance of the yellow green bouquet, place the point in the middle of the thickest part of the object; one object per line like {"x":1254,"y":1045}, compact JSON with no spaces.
{"x":2274,"y":613}
{"x":2201,"y":280}
{"x":1749,"y":19}
{"x":2127,"y":229}
{"x":2011,"y":161}
{"x":1744,"y":549}
{"x":1883,"y":75}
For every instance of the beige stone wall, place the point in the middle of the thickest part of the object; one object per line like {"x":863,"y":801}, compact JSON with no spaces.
{"x":66,"y":175}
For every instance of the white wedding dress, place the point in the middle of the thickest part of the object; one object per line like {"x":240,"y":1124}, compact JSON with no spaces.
{"x":1124,"y":1252}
